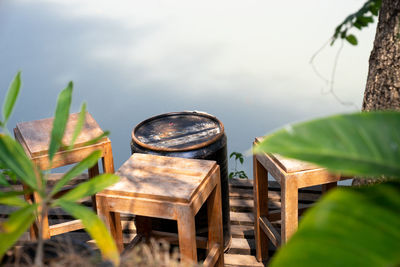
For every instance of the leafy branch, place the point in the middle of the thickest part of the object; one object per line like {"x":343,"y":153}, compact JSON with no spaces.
{"x":360,"y":19}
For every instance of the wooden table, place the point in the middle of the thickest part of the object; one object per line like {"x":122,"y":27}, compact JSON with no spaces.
{"x":34,"y":136}
{"x":168,"y":188}
{"x":291,"y":175}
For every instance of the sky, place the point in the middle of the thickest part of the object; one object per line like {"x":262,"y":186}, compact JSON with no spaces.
{"x":246,"y":62}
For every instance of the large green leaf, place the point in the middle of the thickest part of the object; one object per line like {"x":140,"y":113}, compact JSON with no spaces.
{"x":366,"y":144}
{"x":85,"y":164}
{"x":90,"y":187}
{"x":79,"y":125}
{"x":95,"y":227}
{"x":13,"y":156}
{"x":11,"y":97}
{"x":60,"y":119}
{"x":12,"y":229}
{"x":349,"y":227}
{"x":12,"y":198}
{"x":3,"y":180}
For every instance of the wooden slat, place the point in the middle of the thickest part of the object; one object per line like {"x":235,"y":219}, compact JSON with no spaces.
{"x":241,"y":183}
{"x":212,"y":256}
{"x":270,"y":231}
{"x":304,"y":195}
{"x":242,"y":231}
{"x":247,"y":205}
{"x":242,"y":218}
{"x":172,"y":238}
{"x":241,"y":260}
{"x":65,"y":227}
{"x":242,"y":246}
{"x":241,"y":193}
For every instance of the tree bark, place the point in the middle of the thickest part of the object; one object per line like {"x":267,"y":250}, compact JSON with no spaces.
{"x":383,"y":83}
{"x":382,"y":91}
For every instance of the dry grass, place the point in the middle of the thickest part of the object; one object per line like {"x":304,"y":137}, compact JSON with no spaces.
{"x":68,"y":253}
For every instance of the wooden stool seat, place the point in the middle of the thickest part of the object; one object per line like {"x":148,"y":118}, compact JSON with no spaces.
{"x":168,"y":188}
{"x":34,"y":136}
{"x":291,"y":175}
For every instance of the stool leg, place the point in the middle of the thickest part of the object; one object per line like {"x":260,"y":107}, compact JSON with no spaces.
{"x":107,"y":160}
{"x":34,"y":229}
{"x":108,"y":167}
{"x":289,"y":210}
{"x":187,"y":235}
{"x":260,"y":192}
{"x":143,"y":226}
{"x":328,"y":186}
{"x":112,"y":221}
{"x":93,"y":172}
{"x":214,"y":211}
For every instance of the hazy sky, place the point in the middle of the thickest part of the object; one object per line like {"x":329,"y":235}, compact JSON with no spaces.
{"x":247,"y":62}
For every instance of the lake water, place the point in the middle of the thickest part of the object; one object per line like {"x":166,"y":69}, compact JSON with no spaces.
{"x":246,"y":62}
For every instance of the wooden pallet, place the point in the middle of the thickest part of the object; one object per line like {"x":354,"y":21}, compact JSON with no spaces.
{"x":242,"y":249}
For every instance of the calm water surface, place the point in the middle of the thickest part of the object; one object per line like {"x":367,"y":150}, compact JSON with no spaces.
{"x":246,"y":62}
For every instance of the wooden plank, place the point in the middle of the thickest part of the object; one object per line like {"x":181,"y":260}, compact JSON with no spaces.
{"x":212,"y":256}
{"x":242,"y":218}
{"x":53,"y":178}
{"x":307,"y":194}
{"x":270,"y":231}
{"x":247,"y":205}
{"x":241,"y":193}
{"x":242,"y":260}
{"x":172,"y":238}
{"x":241,"y":183}
{"x":242,"y":231}
{"x":242,"y":246}
{"x":65,"y":227}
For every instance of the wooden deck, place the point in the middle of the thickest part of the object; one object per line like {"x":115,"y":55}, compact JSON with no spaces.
{"x":242,"y":249}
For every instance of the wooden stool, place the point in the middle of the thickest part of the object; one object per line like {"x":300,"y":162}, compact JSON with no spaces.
{"x":168,"y":188}
{"x":291,"y":175}
{"x":34,"y":136}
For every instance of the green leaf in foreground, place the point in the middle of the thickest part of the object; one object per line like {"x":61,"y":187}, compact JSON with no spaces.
{"x":3,"y":180}
{"x":95,"y":227}
{"x":349,"y":227}
{"x":11,"y":97}
{"x":90,"y":187}
{"x":85,"y":164}
{"x":12,"y":229}
{"x":60,"y":119}
{"x":13,"y":156}
{"x":365,"y":144}
{"x":79,"y":125}
{"x":97,"y":139}
{"x":12,"y":198}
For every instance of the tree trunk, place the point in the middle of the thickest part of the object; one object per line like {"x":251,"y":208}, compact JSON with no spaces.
{"x":383,"y":83}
